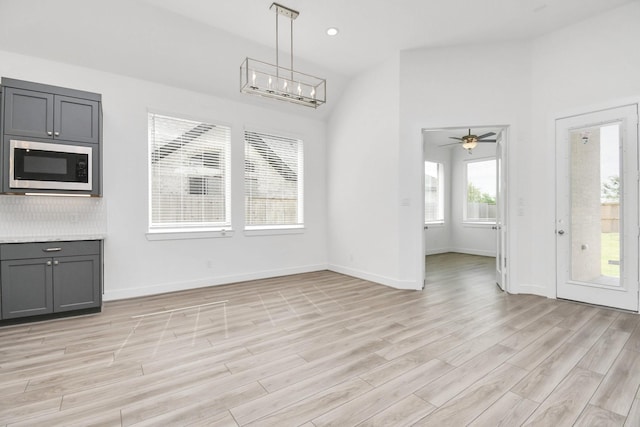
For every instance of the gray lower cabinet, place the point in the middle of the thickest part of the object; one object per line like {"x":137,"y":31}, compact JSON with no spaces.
{"x":31,"y":284}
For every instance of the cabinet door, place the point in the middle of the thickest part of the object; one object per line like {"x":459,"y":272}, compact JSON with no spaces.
{"x":76,"y":282}
{"x":76,"y":119}
{"x":28,"y":113}
{"x":26,"y":287}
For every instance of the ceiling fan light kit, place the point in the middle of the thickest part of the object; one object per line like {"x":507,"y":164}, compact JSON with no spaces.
{"x":278,"y":82}
{"x":470,"y":141}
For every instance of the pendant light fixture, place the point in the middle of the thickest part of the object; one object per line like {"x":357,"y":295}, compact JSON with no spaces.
{"x":278,"y":82}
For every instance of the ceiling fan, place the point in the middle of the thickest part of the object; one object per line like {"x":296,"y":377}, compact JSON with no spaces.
{"x":470,"y":141}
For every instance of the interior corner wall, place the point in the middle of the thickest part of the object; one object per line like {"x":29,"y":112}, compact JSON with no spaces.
{"x":362,"y":179}
{"x":135,"y":266}
{"x":585,"y":67}
{"x":439,"y":89}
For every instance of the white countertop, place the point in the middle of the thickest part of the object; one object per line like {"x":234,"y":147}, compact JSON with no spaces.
{"x":66,"y":238}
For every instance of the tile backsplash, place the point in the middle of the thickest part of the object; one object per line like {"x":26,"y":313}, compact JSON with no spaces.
{"x":49,"y":217}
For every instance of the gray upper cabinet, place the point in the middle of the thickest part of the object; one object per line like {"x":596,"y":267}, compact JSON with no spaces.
{"x":28,"y":113}
{"x":37,"y":114}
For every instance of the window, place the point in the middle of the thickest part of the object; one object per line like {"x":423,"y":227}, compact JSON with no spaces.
{"x":480,"y":203}
{"x":189,"y":174}
{"x":433,"y":192}
{"x":273,"y":181}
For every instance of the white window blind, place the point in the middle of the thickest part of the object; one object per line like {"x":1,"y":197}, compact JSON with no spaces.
{"x":189,"y":174}
{"x":273,"y":181}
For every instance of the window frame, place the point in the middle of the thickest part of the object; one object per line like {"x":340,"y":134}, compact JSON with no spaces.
{"x":465,"y":190}
{"x":441,"y":193}
{"x":270,"y":229}
{"x":190,"y":230}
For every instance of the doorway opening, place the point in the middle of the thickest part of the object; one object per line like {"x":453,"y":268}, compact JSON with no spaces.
{"x":464,"y":190}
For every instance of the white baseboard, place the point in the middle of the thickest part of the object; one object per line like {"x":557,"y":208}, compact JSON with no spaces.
{"x":133,"y":292}
{"x":436,"y":251}
{"x":382,"y":280}
{"x":474,"y":252}
{"x":460,"y":251}
{"x":530,"y":290}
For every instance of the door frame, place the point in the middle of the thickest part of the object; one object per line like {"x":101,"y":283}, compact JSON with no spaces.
{"x":552,"y":127}
{"x":506,"y":133}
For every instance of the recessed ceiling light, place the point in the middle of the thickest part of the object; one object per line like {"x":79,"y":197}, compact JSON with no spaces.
{"x":332,"y":31}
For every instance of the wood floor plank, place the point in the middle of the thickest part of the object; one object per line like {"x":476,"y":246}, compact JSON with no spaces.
{"x":405,"y":363}
{"x":472,"y":402}
{"x":307,"y":409}
{"x":278,"y":400}
{"x":605,"y":351}
{"x":594,"y":416}
{"x":568,"y":400}
{"x":633,"y":418}
{"x":634,"y":340}
{"x":172,"y":401}
{"x":403,"y":413}
{"x":620,"y":385}
{"x":591,"y":331}
{"x":455,"y":381}
{"x":475,"y":346}
{"x":531,"y":332}
{"x":509,"y":410}
{"x":380,"y":398}
{"x":309,"y":347}
{"x":531,"y":356}
{"x":544,"y":378}
{"x":626,"y":322}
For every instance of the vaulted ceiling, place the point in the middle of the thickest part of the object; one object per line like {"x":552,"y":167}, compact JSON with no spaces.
{"x":199,"y":44}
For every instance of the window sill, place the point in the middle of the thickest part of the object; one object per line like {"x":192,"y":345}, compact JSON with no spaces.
{"x":271,"y":231}
{"x":187,"y":234}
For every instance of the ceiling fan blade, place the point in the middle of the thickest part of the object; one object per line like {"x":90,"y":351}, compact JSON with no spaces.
{"x":456,"y":138}
{"x":451,"y":143}
{"x":488,"y":140}
{"x":486,"y":135}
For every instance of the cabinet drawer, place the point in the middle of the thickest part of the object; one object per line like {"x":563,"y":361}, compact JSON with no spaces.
{"x":10,"y":251}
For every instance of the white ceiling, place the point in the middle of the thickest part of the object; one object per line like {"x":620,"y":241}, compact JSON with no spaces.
{"x":372,"y":30}
{"x":199,"y":44}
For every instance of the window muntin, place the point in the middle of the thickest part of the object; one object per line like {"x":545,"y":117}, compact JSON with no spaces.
{"x":480,"y":191}
{"x":433,"y":193}
{"x":189,"y":180}
{"x":273,"y":181}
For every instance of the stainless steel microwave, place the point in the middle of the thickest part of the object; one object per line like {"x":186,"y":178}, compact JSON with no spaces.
{"x":43,"y":165}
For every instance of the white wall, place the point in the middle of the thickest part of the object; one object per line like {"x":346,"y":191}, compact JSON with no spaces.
{"x":438,"y":88}
{"x":363,"y":177}
{"x":591,"y":65}
{"x":136,"y":266}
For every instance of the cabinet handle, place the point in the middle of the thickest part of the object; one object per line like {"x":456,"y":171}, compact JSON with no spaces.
{"x":52,"y":249}
{"x":57,"y":133}
{"x":56,"y":262}
{"x":48,"y":262}
{"x":49,"y":133}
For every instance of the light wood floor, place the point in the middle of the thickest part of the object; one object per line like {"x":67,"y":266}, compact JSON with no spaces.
{"x":326,"y":349}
